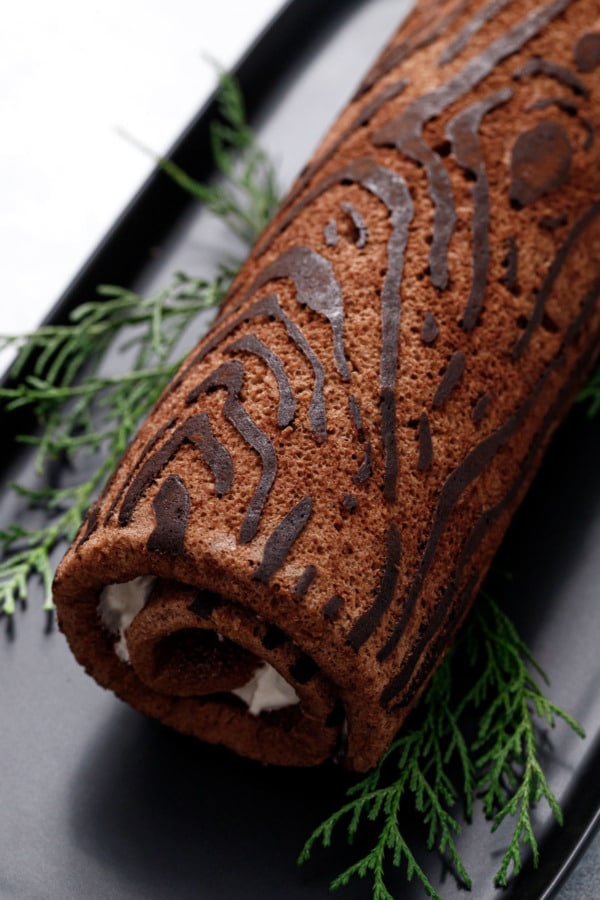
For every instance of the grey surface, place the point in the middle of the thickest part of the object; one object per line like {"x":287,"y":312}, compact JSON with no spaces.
{"x":97,"y":802}
{"x":584,"y":882}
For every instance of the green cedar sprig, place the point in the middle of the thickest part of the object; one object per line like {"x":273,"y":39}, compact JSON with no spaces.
{"x":437,"y":770}
{"x":88,"y":417}
{"x":590,"y":394}
{"x":511,"y":709}
{"x":414,"y":774}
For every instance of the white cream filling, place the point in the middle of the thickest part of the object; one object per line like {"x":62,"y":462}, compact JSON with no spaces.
{"x":119,"y":604}
{"x":266,"y":690}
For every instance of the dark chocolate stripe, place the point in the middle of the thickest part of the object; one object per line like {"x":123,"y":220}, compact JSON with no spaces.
{"x":405,"y":131}
{"x":392,"y":190}
{"x":280,"y":542}
{"x":481,"y":18}
{"x":425,"y":445}
{"x":567,"y":106}
{"x":330,"y":233}
{"x":511,"y":261}
{"x":305,"y":581}
{"x":571,"y":109}
{"x":394,"y":193}
{"x":349,"y":502}
{"x":142,"y":457}
{"x":440,"y":191}
{"x":540,"y":162}
{"x":481,"y":407}
{"x":362,"y":233}
{"x":397,"y":684}
{"x":269,"y":307}
{"x":215,"y":455}
{"x":480,"y":457}
{"x":356,"y":417}
{"x":463,"y":131}
{"x":551,"y":223}
{"x":414,"y":42}
{"x":430,"y":329}
{"x":332,"y":607}
{"x":366,"y":467}
{"x":230,"y":376}
{"x":316,"y":287}
{"x":471,"y":468}
{"x":553,"y":273}
{"x":450,"y":378}
{"x":538,"y":66}
{"x":287,"y":405}
{"x":91,"y":523}
{"x":587,"y":52}
{"x":366,"y":624}
{"x":171,"y":507}
{"x":361,"y":119}
{"x":197,"y":431}
{"x":388,"y":435}
{"x":486,"y":519}
{"x":590,"y":133}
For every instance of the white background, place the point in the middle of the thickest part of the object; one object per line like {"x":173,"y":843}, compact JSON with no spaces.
{"x":72,"y":75}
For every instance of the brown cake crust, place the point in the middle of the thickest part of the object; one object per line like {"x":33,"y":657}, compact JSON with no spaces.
{"x":326,"y":480}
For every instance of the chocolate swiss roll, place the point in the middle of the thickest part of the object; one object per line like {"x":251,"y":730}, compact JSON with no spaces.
{"x":299,"y":528}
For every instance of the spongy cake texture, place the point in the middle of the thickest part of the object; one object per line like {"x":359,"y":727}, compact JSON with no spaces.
{"x":325,"y":482}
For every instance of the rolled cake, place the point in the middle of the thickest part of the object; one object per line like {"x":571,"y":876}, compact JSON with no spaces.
{"x":298,"y":530}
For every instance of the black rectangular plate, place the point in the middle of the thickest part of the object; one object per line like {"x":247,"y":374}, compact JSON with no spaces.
{"x":97,"y":801}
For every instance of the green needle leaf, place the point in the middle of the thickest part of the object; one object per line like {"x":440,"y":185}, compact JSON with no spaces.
{"x":435,"y":768}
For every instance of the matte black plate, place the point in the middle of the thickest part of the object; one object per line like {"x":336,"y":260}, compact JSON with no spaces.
{"x":97,"y":801}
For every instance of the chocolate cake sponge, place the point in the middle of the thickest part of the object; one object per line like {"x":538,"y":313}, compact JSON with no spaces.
{"x":324,"y":484}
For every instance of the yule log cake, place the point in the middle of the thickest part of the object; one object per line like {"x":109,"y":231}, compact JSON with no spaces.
{"x":299,"y":528}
